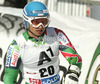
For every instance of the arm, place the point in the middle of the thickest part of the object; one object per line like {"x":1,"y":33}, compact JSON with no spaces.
{"x":70,"y":54}
{"x":13,"y":60}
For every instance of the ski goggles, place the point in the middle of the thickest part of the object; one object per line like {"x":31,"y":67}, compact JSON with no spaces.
{"x":38,"y":21}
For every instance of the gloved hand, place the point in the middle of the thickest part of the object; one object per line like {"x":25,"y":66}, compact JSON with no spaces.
{"x":71,"y":79}
{"x":72,"y":75}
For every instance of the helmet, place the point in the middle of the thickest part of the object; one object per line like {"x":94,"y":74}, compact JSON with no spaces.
{"x":34,"y":10}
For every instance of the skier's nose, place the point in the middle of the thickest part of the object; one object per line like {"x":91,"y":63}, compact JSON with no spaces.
{"x":40,"y":26}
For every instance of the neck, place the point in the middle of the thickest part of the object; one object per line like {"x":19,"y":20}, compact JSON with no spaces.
{"x":31,"y":34}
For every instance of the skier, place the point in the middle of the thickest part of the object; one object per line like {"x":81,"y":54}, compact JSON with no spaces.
{"x":36,"y":51}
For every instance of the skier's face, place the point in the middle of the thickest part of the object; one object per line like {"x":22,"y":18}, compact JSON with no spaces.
{"x":37,"y":31}
{"x":38,"y":27}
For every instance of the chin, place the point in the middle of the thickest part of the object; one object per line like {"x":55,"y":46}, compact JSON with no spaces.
{"x":39,"y":34}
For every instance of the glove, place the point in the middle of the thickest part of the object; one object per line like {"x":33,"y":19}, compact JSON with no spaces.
{"x":71,"y":79}
{"x":72,"y":75}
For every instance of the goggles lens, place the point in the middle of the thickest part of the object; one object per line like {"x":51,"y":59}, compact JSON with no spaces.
{"x":37,"y":22}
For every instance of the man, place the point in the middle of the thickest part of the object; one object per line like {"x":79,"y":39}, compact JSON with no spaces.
{"x":35,"y":52}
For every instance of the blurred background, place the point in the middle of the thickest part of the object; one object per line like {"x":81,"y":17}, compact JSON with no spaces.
{"x":88,"y":8}
{"x":79,"y":19}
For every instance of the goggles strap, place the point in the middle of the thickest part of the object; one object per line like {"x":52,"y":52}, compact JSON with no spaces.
{"x":32,"y":33}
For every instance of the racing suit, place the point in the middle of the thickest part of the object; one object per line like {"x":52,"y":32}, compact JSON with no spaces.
{"x":38,"y":59}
